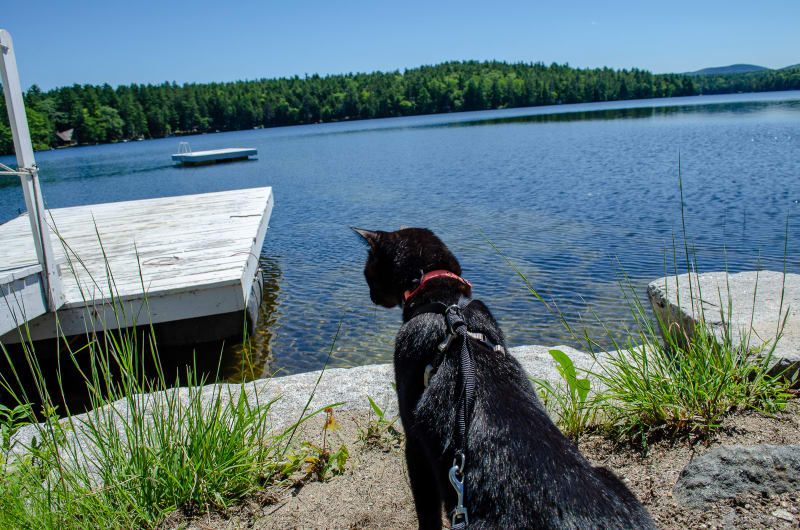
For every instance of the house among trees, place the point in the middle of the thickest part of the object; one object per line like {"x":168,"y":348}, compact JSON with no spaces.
{"x":65,"y":137}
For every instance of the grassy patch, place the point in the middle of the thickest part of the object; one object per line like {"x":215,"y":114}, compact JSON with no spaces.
{"x":145,"y":448}
{"x":658,"y":380}
{"x":655,"y":381}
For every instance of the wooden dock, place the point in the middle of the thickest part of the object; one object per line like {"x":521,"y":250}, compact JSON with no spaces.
{"x":212,"y":156}
{"x":160,"y":260}
{"x":188,"y":265}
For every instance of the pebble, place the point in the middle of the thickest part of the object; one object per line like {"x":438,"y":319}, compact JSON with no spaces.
{"x":783,"y":514}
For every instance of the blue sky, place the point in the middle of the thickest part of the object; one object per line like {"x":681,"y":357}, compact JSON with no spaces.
{"x":144,"y":41}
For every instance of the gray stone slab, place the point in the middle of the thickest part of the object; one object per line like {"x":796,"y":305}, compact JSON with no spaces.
{"x":348,"y":387}
{"x":731,"y":470}
{"x":751,"y":305}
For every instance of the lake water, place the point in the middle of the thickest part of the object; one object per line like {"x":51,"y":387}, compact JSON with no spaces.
{"x":568,"y":193}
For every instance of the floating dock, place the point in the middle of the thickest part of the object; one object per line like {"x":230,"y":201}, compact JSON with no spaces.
{"x":189,"y":260}
{"x":213,"y":156}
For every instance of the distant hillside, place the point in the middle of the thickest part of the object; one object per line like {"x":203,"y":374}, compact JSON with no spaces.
{"x":792,"y":67}
{"x":732,"y":69}
{"x":102,"y":114}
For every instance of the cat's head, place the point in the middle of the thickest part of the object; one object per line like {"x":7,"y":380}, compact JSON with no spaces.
{"x":398,"y":259}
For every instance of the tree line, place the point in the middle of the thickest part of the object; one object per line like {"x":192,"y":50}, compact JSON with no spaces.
{"x":102,"y":114}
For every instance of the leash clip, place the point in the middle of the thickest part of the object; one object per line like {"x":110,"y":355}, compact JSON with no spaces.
{"x":459,"y":513}
{"x":429,"y":371}
{"x":451,"y":314}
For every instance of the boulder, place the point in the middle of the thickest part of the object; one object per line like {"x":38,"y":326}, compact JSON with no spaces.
{"x":751,"y":306}
{"x":731,"y":470}
{"x":348,"y":387}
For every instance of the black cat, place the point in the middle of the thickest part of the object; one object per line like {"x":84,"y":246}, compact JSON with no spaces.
{"x":519,"y":470}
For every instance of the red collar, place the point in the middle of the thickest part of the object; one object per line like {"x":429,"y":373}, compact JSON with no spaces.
{"x":435,"y":274}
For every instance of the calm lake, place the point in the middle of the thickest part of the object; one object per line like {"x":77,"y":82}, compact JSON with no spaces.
{"x":571,"y":194}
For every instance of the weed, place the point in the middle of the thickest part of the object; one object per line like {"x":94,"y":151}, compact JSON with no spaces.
{"x":318,"y":463}
{"x":575,"y":412}
{"x":10,"y":421}
{"x":381,"y":432}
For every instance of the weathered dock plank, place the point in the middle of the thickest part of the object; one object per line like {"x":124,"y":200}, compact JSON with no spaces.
{"x":192,"y":256}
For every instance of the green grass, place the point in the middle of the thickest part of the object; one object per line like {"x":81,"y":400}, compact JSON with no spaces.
{"x":655,"y":380}
{"x":569,"y":400}
{"x":146,"y":448}
{"x":660,"y":380}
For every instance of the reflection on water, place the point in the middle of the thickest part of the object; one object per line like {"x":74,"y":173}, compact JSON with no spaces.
{"x":252,"y":359}
{"x":696,"y":111}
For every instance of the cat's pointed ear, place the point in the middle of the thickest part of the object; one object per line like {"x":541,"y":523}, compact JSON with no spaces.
{"x":370,"y":236}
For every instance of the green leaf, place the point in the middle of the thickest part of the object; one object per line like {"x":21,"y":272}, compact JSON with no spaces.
{"x":341,"y":457}
{"x":567,"y":371}
{"x":375,"y":407}
{"x":583,"y":386}
{"x":565,"y":362}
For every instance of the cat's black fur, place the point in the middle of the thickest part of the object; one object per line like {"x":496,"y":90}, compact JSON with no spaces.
{"x":521,"y":472}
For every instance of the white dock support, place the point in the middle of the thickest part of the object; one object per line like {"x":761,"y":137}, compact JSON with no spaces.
{"x":29,"y":178}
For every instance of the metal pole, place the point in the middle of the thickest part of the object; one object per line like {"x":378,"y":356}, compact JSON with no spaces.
{"x":30,"y":181}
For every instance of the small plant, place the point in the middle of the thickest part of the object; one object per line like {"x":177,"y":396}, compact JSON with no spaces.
{"x":10,"y":421}
{"x":381,"y":432}
{"x":570,"y":401}
{"x":318,"y":463}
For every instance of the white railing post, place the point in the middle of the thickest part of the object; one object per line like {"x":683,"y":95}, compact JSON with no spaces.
{"x":30,"y":180}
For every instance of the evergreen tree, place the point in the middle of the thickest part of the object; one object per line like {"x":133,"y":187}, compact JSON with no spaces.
{"x":105,"y":114}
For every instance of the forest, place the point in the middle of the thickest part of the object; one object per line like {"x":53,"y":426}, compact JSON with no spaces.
{"x":102,"y":114}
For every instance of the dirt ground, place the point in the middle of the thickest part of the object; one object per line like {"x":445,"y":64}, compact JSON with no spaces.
{"x":373,"y":491}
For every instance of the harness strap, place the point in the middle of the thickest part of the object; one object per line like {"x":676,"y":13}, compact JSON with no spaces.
{"x":441,"y":309}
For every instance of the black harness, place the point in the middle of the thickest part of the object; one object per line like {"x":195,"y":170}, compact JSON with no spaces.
{"x":457,"y":327}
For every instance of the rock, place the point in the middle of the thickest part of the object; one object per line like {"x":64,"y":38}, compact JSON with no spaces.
{"x":773,"y":296}
{"x":731,"y":470}
{"x":349,"y":387}
{"x":783,"y":514}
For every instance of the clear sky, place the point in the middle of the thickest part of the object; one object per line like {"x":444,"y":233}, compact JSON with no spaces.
{"x":146,"y":41}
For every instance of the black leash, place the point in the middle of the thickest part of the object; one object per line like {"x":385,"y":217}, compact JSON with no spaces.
{"x":457,"y":327}
{"x":466,"y":401}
